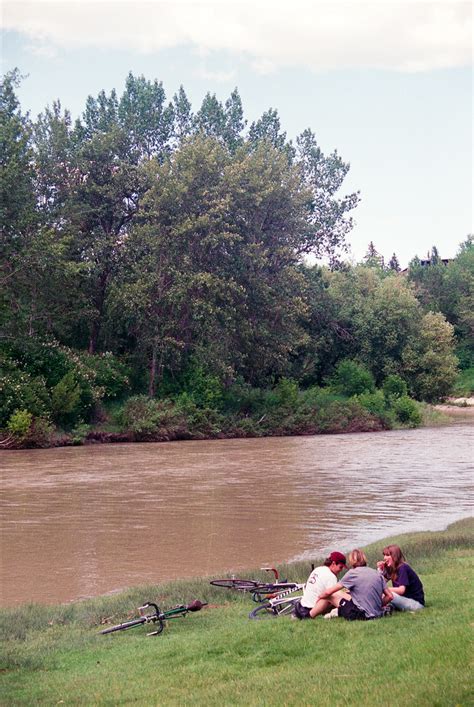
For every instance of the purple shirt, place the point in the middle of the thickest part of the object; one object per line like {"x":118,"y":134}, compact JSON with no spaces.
{"x":408,"y":578}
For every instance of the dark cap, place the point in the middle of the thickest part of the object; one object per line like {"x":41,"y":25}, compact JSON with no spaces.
{"x":338,"y":557}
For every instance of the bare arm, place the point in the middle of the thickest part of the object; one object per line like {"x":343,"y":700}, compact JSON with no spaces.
{"x":336,"y":588}
{"x":399,"y":590}
{"x":387,"y":596}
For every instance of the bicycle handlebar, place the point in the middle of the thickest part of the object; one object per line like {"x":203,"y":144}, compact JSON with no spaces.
{"x":271,"y":569}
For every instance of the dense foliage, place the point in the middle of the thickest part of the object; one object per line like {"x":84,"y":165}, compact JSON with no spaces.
{"x":154,"y":280}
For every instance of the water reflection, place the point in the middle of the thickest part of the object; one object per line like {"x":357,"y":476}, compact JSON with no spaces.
{"x":83,"y":521}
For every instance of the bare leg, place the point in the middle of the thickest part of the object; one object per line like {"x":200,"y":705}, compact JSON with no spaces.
{"x":322,"y":605}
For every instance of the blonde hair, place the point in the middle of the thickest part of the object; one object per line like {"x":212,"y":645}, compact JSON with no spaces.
{"x":357,"y":558}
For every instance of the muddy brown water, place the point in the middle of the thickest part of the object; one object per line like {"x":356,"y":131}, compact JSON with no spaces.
{"x":83,"y":521}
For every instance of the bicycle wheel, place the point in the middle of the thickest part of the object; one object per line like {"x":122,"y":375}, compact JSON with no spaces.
{"x":243,"y":585}
{"x":124,"y":626}
{"x":264,"y":611}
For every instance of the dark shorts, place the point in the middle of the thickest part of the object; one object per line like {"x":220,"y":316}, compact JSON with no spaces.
{"x":349,"y":611}
{"x":300,"y":611}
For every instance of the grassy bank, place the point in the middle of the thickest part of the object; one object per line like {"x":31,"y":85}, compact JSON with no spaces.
{"x":54,"y":655}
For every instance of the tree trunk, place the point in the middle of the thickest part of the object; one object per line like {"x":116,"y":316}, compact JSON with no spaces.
{"x":100,"y":300}
{"x":152,"y":381}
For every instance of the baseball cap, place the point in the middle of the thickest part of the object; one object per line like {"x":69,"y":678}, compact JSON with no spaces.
{"x":338,"y":557}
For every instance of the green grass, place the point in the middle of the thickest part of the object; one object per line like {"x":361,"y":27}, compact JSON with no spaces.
{"x":54,"y":655}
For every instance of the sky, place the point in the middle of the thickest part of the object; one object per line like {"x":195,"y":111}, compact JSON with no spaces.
{"x":386,"y":83}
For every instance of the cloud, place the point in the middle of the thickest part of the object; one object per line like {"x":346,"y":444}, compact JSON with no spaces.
{"x":402,"y":35}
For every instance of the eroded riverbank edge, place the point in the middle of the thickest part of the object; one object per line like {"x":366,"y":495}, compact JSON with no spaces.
{"x":453,"y":411}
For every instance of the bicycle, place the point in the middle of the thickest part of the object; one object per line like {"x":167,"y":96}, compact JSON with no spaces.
{"x":158,"y":617}
{"x":261,"y":591}
{"x":281,"y":604}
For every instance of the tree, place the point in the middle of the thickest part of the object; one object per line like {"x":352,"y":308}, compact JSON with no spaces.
{"x":372,"y":258}
{"x":105,"y":192}
{"x":429,"y":363}
{"x":19,"y":216}
{"x":211,"y":118}
{"x":211,"y":266}
{"x":145,"y":118}
{"x":183,"y":117}
{"x":393,"y":263}
{"x":329,"y":220}
{"x":375,"y":317}
{"x":268,"y":129}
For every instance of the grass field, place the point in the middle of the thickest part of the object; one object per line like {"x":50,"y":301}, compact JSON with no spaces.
{"x":54,"y":655}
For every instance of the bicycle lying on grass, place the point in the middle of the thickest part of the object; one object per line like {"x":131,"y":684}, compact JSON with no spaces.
{"x":281,"y":604}
{"x":158,"y":617}
{"x":261,"y":591}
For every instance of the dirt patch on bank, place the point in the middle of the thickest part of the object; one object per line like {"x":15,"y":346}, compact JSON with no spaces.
{"x":457,"y":407}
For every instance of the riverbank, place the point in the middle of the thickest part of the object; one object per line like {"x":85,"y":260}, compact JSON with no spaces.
{"x":301,"y":413}
{"x":54,"y":655}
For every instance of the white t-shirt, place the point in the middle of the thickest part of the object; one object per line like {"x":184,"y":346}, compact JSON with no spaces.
{"x":319,"y":580}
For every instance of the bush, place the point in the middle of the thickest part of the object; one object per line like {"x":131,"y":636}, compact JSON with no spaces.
{"x":21,"y":391}
{"x":394,"y":387}
{"x":375,"y":403}
{"x":110,"y":377}
{"x":144,"y":416}
{"x":407,"y":411}
{"x":242,"y":398}
{"x":29,"y":431}
{"x":204,"y":388}
{"x":284,"y":395}
{"x":464,"y":386}
{"x":66,"y":400}
{"x":19,"y":424}
{"x":351,"y":378}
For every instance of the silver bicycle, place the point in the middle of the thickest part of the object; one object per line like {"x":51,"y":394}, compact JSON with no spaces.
{"x":281,"y":604}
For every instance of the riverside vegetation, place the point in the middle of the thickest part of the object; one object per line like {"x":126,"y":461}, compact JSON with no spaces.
{"x":155,"y":282}
{"x":54,"y":654}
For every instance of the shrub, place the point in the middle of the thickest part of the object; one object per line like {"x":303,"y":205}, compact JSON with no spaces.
{"x":407,"y":411}
{"x":109,"y":376}
{"x":242,"y":398}
{"x":351,"y":378}
{"x":144,"y":416}
{"x":66,"y":400}
{"x":29,"y":431}
{"x":375,"y":403}
{"x":284,"y":395}
{"x":394,"y":387}
{"x":21,"y":391}
{"x":19,"y":424}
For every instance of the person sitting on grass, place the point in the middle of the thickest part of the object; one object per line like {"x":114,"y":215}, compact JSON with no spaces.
{"x":319,"y":580}
{"x":407,"y":589}
{"x":368,"y":593}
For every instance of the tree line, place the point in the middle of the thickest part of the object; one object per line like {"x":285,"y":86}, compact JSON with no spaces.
{"x":150,"y":249}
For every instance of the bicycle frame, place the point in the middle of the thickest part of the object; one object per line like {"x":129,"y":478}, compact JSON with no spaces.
{"x":280,"y":604}
{"x":158,"y":616}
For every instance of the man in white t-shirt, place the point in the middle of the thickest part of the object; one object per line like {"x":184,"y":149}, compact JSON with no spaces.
{"x":320,"y":579}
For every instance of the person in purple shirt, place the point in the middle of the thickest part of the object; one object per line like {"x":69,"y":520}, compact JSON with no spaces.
{"x":407,"y":589}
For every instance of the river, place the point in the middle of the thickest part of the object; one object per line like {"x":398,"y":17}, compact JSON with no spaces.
{"x":83,"y":521}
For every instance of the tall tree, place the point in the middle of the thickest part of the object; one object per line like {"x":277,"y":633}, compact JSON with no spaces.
{"x":268,"y":129}
{"x":183,"y":116}
{"x":393,"y":263}
{"x":329,"y":217}
{"x":145,"y":118}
